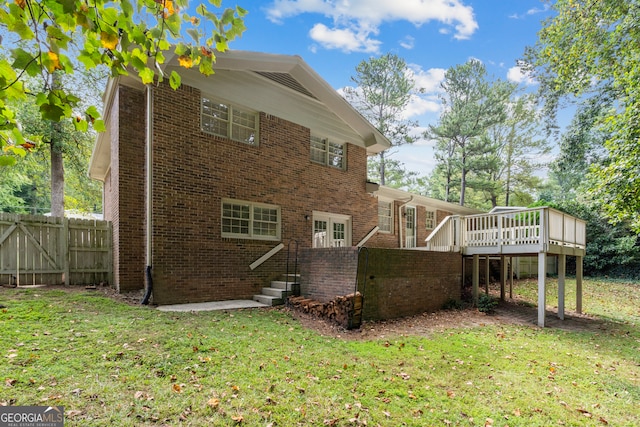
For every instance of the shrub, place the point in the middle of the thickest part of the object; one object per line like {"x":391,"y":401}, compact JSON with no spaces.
{"x":486,"y":304}
{"x":452,"y":304}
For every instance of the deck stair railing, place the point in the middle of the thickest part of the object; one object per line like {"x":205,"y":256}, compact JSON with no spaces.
{"x":446,"y":236}
{"x":292,"y":246}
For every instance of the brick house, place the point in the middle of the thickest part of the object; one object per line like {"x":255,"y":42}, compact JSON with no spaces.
{"x":208,"y":185}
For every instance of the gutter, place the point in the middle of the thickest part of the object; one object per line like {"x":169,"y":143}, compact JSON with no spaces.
{"x":148,"y":195}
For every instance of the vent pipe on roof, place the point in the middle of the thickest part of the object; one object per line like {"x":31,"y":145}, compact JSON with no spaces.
{"x":148,"y":195}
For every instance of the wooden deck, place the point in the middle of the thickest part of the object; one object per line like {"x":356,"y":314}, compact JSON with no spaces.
{"x":524,"y":232}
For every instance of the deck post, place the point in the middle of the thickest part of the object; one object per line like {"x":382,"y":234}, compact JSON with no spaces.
{"x":475,"y":281}
{"x":486,"y":275}
{"x":579,"y":269}
{"x":511,"y":278}
{"x":542,"y":296}
{"x":503,"y":275}
{"x":562,"y":268}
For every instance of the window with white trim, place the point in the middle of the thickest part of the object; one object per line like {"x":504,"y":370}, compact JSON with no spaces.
{"x":327,"y":153}
{"x":430,"y":220}
{"x":246,"y":220}
{"x":385,"y":216}
{"x":223,"y":119}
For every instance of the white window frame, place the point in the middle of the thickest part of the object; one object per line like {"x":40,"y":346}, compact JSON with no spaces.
{"x":430,"y":219}
{"x":234,"y":121}
{"x":251,"y":220}
{"x":331,"y":219}
{"x":321,"y":152}
{"x":387,"y":218}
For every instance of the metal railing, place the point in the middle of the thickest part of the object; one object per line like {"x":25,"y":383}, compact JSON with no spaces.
{"x":295,"y":264}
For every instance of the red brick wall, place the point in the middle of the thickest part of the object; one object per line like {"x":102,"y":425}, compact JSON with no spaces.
{"x":399,"y":282}
{"x":327,"y":273}
{"x":194,"y":171}
{"x":392,"y":240}
{"x":124,"y":188}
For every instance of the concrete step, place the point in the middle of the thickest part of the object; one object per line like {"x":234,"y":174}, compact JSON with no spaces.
{"x":268,"y":299}
{"x":282,"y":284}
{"x":276,"y":292}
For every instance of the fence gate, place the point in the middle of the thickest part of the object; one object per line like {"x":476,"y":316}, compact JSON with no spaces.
{"x":37,"y":249}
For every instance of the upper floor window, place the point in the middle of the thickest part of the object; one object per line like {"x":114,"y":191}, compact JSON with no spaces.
{"x":385,"y":216}
{"x":430,"y":220}
{"x":327,"y":153}
{"x":246,"y":220}
{"x":223,"y":119}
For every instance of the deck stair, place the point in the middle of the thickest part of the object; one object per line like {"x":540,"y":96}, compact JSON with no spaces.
{"x":279,"y":290}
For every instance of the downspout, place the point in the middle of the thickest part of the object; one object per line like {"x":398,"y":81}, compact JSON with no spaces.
{"x":148,"y":194}
{"x":400,"y":219}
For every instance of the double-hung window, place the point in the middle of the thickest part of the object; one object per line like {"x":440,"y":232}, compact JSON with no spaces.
{"x":385,"y":216}
{"x":246,"y":220}
{"x":327,"y":152}
{"x":430,"y":220}
{"x":223,"y":119}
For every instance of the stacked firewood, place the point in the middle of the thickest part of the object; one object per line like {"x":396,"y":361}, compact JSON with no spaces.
{"x":340,"y":310}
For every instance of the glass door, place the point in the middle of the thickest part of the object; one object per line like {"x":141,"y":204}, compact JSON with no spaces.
{"x":410,"y":217}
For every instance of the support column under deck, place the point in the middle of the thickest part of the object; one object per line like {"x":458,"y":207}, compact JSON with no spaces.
{"x":503,"y":275}
{"x":562,"y":268}
{"x":579,"y":269}
{"x":475,"y":279}
{"x":486,"y":275}
{"x":542,"y":296}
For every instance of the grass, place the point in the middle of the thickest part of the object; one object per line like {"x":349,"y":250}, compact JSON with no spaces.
{"x":109,"y":363}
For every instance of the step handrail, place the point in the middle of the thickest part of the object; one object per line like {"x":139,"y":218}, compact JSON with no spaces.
{"x":295,"y":265}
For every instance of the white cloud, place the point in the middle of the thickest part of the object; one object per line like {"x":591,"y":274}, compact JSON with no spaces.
{"x":357,"y":20}
{"x":517,"y":75}
{"x":429,"y":80}
{"x":345,"y":39}
{"x":532,"y":11}
{"x":408,"y":42}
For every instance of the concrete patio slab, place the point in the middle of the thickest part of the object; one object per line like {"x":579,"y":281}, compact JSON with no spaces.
{"x":213,"y":305}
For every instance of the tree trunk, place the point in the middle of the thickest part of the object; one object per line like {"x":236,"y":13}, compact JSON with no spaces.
{"x":57,"y":165}
{"x":382,"y":167}
{"x":57,"y":181}
{"x":463,"y":184}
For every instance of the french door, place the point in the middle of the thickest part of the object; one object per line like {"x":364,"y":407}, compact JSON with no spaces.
{"x":331,"y":230}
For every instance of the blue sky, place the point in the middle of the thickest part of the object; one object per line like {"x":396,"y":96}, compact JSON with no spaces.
{"x":333,"y":36}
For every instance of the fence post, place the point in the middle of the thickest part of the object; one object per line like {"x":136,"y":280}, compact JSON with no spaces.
{"x":64,"y":251}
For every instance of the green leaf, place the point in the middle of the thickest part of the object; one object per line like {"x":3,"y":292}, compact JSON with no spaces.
{"x":7,"y":160}
{"x":98,"y":125}
{"x":92,"y":112}
{"x":81,"y":125}
{"x":174,"y":80}
{"x":147,"y":75}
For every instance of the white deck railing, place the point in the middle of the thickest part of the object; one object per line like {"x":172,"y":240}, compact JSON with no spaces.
{"x":527,"y":230}
{"x":446,"y":236}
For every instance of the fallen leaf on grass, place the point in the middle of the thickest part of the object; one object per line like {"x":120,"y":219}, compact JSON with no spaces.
{"x":238,"y":419}
{"x":177,"y":388}
{"x":585,"y":412}
{"x":72,"y":413}
{"x":213,"y":402}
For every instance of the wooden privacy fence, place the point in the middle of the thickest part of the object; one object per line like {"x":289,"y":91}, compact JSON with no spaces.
{"x":37,"y":249}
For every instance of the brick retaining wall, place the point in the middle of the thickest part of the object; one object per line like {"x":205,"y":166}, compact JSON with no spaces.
{"x":399,"y":282}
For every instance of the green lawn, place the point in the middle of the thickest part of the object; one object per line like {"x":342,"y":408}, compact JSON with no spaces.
{"x":109,"y":363}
